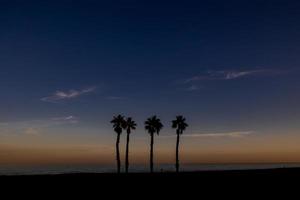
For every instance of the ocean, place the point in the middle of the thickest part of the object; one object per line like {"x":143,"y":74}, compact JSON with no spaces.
{"x":63,"y":169}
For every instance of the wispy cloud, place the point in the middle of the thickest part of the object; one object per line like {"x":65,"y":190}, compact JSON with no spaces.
{"x":115,"y":98}
{"x":31,"y":131}
{"x":192,"y":84}
{"x":194,"y":79}
{"x":238,"y":74}
{"x":66,"y":120}
{"x":235,"y":134}
{"x":35,"y":127}
{"x":71,"y":94}
{"x":222,"y":75}
{"x":192,"y":88}
{"x":4,"y":124}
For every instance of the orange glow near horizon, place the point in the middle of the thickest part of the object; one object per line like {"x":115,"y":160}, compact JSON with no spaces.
{"x":251,"y":149}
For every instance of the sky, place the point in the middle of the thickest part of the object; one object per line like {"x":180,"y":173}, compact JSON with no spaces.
{"x":230,"y":67}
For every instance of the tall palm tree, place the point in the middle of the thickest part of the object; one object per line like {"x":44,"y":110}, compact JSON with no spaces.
{"x":118,"y":123}
{"x":180,"y":125}
{"x":129,"y":125}
{"x":153,"y":125}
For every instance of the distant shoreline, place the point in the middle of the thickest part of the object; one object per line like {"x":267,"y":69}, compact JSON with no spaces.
{"x":260,"y":172}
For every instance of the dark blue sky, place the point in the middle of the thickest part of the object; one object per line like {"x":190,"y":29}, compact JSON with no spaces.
{"x":226,"y":65}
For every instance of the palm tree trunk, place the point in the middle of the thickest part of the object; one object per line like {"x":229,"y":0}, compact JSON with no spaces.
{"x":177,"y":152}
{"x":127,"y":152}
{"x":151,"y":153}
{"x":118,"y":153}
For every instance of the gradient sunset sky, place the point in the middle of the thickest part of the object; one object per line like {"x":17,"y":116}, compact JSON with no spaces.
{"x":230,"y":67}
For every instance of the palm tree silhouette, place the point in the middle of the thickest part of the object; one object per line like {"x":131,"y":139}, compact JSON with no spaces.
{"x":129,"y":125}
{"x":180,"y":125}
{"x":152,"y":125}
{"x":118,"y":124}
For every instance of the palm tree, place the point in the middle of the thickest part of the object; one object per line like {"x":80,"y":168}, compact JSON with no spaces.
{"x":129,"y":125}
{"x":180,"y":125}
{"x":118,"y":123}
{"x":152,"y":125}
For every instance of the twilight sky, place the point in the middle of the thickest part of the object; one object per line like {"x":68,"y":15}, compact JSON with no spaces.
{"x":230,"y":67}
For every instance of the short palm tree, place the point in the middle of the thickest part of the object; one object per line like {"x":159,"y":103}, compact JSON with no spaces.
{"x":180,"y":125}
{"x":153,"y":125}
{"x":129,"y":125}
{"x":118,"y":124}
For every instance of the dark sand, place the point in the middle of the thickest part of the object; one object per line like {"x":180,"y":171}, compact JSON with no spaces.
{"x":215,"y":183}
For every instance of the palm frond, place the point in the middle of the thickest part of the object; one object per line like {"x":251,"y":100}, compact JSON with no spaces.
{"x":118,"y":122}
{"x":179,"y":124}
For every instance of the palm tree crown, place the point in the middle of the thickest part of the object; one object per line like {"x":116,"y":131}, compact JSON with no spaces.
{"x":180,"y":124}
{"x":118,"y":123}
{"x":129,"y":124}
{"x":153,"y":125}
